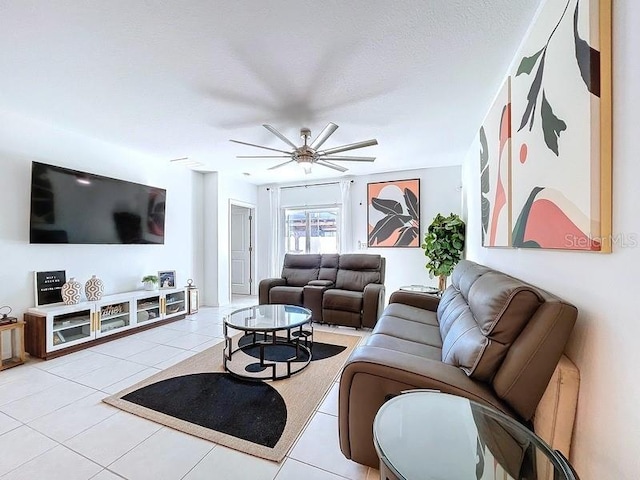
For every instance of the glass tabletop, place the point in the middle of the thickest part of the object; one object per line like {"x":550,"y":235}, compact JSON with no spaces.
{"x":265,"y":318}
{"x":431,"y":435}
{"x":420,"y":288}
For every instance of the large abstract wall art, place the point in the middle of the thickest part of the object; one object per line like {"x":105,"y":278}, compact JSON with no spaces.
{"x":495,"y":173}
{"x":561,"y":127}
{"x":393,"y":213}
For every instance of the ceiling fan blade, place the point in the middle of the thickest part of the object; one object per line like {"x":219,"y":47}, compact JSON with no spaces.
{"x":280,"y":165}
{"x":351,"y":146}
{"x":324,"y":134}
{"x":263,"y":156}
{"x":279,"y":135}
{"x":347,"y":159}
{"x":260,"y":146}
{"x":331,"y":165}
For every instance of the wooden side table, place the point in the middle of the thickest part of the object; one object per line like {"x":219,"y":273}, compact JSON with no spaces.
{"x":16,"y":332}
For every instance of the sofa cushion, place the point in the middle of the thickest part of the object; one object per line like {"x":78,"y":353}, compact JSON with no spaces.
{"x":408,"y":330}
{"x":286,"y":295}
{"x":298,"y":270}
{"x":356,"y":271}
{"x":346,"y":300}
{"x":329,"y":267}
{"x":480,"y":315}
{"x":407,"y":346}
{"x":502,"y":305}
{"x":412,"y":313}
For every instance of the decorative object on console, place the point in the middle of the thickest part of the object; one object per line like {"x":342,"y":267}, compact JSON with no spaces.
{"x":94,"y":288}
{"x":71,"y":292}
{"x":495,"y":171}
{"x":167,"y":278}
{"x":48,"y":286}
{"x":561,"y":114}
{"x":109,"y":310}
{"x":5,"y":319}
{"x":150,"y":282}
{"x":393,"y":213}
{"x":307,"y":155}
{"x":192,"y":298}
{"x":443,"y":245}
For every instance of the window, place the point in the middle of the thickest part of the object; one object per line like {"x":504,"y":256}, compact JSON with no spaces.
{"x":311,"y":230}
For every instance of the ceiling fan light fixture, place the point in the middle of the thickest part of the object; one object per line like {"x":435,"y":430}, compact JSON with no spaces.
{"x":305,"y":161}
{"x":308,"y":153}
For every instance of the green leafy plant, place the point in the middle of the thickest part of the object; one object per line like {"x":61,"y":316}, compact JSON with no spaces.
{"x":443,"y":245}
{"x":150,"y":279}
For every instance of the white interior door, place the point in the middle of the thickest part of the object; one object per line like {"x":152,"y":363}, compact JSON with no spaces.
{"x":240,"y":250}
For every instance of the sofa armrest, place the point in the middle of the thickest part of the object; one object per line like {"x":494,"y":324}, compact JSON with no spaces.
{"x":321,"y":283}
{"x":372,"y":304}
{"x":266,"y":285}
{"x":425,"y":301}
{"x":373,"y":374}
{"x":312,"y":299}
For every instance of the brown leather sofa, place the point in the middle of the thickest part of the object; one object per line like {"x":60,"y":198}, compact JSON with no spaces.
{"x":343,"y":289}
{"x":490,"y":337}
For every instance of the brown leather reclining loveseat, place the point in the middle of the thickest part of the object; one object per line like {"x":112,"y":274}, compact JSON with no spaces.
{"x":490,"y":337}
{"x":343,"y":289}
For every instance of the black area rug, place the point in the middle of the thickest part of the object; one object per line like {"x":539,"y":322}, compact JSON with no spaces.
{"x":280,"y":353}
{"x":253,"y":411}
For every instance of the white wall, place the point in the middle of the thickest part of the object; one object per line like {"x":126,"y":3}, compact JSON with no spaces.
{"x":220,"y":191}
{"x":439,"y":193}
{"x":604,"y":287}
{"x":120,"y":266}
{"x":211,"y":248}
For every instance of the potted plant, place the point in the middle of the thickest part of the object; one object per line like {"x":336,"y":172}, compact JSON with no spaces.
{"x":150,"y":282}
{"x":443,"y":245}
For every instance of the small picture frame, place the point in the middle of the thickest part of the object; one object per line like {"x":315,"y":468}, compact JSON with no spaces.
{"x":167,"y":279}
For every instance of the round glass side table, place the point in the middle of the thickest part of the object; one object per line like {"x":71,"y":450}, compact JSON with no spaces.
{"x":431,"y":435}
{"x":420,"y":289}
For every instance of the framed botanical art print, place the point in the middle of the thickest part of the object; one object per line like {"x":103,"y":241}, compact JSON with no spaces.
{"x":561,"y":129}
{"x":393,"y":213}
{"x":495,"y":171}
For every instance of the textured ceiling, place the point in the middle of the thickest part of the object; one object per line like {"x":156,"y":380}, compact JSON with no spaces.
{"x":180,"y":78}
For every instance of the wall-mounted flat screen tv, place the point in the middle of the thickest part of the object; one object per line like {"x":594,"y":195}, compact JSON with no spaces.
{"x":69,"y":206}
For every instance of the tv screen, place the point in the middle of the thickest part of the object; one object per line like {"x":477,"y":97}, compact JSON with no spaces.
{"x":68,"y":206}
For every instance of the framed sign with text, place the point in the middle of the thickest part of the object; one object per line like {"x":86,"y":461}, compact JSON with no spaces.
{"x":48,"y":286}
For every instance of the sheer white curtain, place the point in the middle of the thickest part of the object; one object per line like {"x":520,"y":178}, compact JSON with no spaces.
{"x":275,"y":236}
{"x":346,"y":228}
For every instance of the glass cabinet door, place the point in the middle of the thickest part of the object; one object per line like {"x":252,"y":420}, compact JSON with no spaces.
{"x":70,"y":328}
{"x":148,"y":309}
{"x":113,"y":317}
{"x":175,"y":304}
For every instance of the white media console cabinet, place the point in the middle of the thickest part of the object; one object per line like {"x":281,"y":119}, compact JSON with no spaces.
{"x":55,"y":330}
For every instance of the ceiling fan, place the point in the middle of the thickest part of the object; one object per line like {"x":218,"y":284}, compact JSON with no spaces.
{"x":308,"y":154}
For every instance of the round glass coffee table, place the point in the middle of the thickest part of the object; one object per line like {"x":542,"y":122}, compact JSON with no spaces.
{"x":432,"y":435}
{"x":277,"y":342}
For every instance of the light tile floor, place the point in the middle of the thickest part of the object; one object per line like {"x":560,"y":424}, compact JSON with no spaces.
{"x":53,"y":424}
